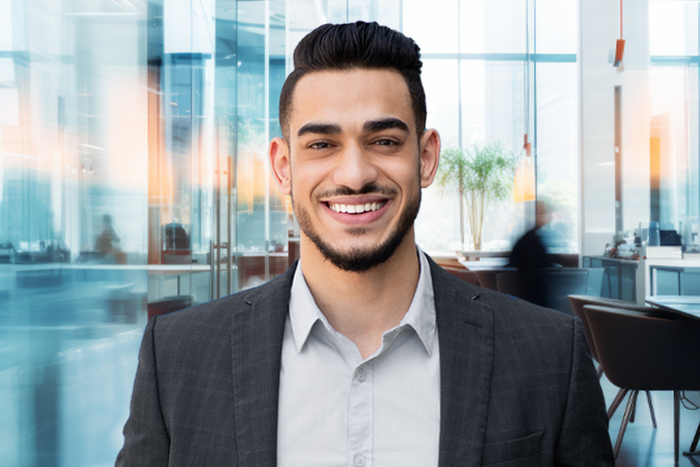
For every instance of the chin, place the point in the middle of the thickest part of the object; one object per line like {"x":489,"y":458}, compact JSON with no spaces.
{"x":368,"y":254}
{"x":363,"y":255}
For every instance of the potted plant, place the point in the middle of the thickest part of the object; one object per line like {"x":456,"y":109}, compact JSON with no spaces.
{"x":481,"y":175}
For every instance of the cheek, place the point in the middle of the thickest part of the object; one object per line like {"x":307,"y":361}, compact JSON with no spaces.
{"x":405,"y":174}
{"x":305,"y":179}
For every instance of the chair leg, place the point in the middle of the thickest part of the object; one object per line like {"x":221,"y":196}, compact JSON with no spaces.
{"x":651,"y":409}
{"x":634,"y":411}
{"x":616,"y":402}
{"x":600,"y":371}
{"x":676,"y":422}
{"x":694,"y":444}
{"x":625,"y":421}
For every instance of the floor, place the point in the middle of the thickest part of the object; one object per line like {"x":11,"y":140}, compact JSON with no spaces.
{"x":644,"y":446}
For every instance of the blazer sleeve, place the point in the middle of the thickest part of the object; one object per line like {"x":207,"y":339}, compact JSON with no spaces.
{"x":146,"y":439}
{"x":584,"y":438}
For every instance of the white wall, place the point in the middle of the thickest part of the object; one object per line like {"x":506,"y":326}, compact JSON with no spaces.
{"x":599,"y":29}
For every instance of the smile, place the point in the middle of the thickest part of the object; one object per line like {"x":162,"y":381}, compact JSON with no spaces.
{"x":356,"y":208}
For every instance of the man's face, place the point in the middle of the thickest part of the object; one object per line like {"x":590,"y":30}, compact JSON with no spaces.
{"x":354,"y":164}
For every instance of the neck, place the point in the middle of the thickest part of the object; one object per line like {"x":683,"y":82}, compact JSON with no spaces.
{"x":363,"y":305}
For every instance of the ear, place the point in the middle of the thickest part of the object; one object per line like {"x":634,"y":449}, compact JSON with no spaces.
{"x":429,"y":156}
{"x":281,"y":164}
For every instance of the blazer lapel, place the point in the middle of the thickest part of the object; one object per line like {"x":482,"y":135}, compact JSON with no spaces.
{"x":465,"y":331}
{"x":256,"y":339}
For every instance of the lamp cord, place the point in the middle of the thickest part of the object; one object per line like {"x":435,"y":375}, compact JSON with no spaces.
{"x":620,"y":19}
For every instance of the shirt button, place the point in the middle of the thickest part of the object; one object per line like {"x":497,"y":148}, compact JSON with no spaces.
{"x":361,"y":375}
{"x":360,"y":461}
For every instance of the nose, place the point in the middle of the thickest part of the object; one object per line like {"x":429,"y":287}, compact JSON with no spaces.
{"x":355,"y":168}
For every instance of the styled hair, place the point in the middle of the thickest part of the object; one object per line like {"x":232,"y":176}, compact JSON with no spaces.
{"x":351,"y":46}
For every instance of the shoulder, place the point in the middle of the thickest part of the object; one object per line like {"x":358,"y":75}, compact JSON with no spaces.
{"x":195,"y":344}
{"x":211,"y":318}
{"x":509,"y":317}
{"x":533,"y":338}
{"x":513,"y":314}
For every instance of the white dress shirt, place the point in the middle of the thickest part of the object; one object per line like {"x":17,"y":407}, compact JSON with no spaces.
{"x":336,"y":409}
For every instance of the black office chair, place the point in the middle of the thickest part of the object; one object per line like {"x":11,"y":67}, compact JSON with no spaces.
{"x":577,"y":304}
{"x":510,"y":283}
{"x":487,"y":278}
{"x":562,"y":282}
{"x":646,"y":351}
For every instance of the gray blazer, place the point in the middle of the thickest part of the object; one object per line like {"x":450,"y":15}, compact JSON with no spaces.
{"x":518,"y":386}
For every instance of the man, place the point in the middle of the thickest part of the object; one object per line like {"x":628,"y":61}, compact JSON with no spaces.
{"x":365,"y":352}
{"x":529,"y":257}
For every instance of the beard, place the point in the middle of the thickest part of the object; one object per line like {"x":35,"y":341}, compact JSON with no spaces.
{"x":360,"y":259}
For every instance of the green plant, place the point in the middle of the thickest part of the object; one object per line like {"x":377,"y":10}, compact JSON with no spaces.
{"x":481,"y":175}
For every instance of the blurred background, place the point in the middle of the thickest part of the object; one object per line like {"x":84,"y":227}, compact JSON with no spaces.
{"x":134,"y":178}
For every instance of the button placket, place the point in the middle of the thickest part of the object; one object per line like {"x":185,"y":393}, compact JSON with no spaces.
{"x":361,"y":418}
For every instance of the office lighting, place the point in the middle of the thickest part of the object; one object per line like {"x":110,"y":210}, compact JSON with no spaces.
{"x":524,"y":181}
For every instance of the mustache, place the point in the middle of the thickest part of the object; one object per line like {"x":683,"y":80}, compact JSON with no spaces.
{"x":370,"y":188}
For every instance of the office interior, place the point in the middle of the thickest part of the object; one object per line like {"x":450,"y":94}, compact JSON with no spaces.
{"x":134,"y":178}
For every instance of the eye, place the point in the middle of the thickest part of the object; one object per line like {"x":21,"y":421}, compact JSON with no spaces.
{"x":385,"y":142}
{"x":320,"y":145}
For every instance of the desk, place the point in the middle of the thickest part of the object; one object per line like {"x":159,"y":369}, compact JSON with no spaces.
{"x":686,"y":305}
{"x":487,"y":264}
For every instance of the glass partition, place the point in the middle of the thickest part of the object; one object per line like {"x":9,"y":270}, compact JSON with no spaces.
{"x":74,"y":168}
{"x":133,"y":182}
{"x":674,"y":121}
{"x":500,"y":70}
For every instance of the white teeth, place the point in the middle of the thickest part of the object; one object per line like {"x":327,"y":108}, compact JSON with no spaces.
{"x":356,"y":208}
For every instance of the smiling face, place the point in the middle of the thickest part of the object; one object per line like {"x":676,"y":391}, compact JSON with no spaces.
{"x":354,"y":164}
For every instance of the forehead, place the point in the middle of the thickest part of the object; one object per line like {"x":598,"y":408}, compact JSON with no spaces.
{"x":350,"y":97}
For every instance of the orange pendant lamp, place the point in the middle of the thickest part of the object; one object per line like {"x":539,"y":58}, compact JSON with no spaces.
{"x":524,"y":182}
{"x":619,"y":44}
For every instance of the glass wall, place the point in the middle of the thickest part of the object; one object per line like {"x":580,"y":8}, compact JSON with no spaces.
{"x":474,"y":75}
{"x":497,"y":71}
{"x":133,"y":182}
{"x":556,"y":120}
{"x":74,"y":153}
{"x":674,"y":166}
{"x":134,"y":178}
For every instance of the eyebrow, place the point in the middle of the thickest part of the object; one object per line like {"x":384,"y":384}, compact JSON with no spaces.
{"x":385,"y":124}
{"x":320,"y":128}
{"x":369,"y":127}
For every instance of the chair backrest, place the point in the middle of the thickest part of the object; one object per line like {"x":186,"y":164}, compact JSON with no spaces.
{"x":169,"y":305}
{"x":448,"y":262}
{"x":464,"y":274}
{"x":567,"y":260}
{"x":509,"y":282}
{"x":562,"y":282}
{"x":595,"y":281}
{"x":647,"y":349}
{"x":487,"y":278}
{"x":577,"y":304}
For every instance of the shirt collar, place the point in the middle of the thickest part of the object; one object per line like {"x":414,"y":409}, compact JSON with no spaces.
{"x":304,"y":313}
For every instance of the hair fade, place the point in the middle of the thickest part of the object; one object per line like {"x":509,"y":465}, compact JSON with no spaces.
{"x":351,"y":46}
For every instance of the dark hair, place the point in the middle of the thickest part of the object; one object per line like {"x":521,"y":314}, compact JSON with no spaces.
{"x":356,"y":45}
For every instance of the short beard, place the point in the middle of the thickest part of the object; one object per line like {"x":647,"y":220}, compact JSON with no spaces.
{"x":361,"y":259}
